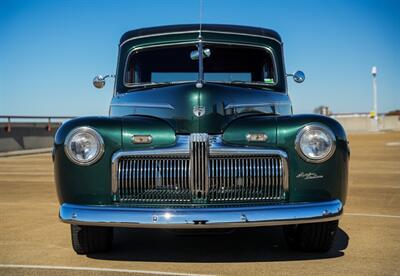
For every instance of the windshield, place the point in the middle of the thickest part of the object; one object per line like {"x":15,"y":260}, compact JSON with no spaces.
{"x":225,"y":63}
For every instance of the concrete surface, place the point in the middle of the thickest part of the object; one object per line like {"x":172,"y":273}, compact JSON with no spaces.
{"x":368,"y":242}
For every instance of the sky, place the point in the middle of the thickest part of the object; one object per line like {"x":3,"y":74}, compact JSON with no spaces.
{"x":51,"y":50}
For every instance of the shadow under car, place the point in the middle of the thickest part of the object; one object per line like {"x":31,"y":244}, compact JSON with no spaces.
{"x":241,"y":245}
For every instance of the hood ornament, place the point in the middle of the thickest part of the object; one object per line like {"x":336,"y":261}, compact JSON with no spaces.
{"x":199,"y":111}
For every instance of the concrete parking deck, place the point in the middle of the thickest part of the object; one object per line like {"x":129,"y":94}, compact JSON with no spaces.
{"x":33,"y":241}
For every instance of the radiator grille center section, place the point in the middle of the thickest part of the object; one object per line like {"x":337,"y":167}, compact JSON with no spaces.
{"x":200,"y":176}
{"x":199,"y":166}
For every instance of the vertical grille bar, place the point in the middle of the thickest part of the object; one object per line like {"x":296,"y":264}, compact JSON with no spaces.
{"x":199,"y":180}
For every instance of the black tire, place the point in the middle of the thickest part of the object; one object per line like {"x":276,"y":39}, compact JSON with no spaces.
{"x":311,"y":237}
{"x":91,"y":239}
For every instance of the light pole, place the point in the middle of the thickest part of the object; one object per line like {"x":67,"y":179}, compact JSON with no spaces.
{"x":374,"y":71}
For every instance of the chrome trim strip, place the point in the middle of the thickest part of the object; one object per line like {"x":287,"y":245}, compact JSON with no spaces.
{"x":274,"y":104}
{"x":194,"y":42}
{"x":196,"y":32}
{"x":232,"y":151}
{"x":144,"y":105}
{"x":244,"y":34}
{"x":197,"y":218}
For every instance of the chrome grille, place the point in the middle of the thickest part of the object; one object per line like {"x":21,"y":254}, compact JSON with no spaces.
{"x":200,"y":171}
{"x":152,"y":179}
{"x":199,"y":165}
{"x":246,"y":179}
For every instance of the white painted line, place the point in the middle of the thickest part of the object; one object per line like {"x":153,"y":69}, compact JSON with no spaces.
{"x":372,"y":215}
{"x":25,"y":152}
{"x":393,"y":144}
{"x":99,"y":269}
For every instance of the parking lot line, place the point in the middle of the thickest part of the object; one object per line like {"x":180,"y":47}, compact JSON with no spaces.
{"x":372,"y":215}
{"x":49,"y":267}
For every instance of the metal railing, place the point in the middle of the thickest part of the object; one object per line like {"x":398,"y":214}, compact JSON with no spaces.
{"x":49,"y":119}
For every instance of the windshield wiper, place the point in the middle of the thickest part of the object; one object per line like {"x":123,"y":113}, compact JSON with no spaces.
{"x":155,"y":84}
{"x":245,"y":84}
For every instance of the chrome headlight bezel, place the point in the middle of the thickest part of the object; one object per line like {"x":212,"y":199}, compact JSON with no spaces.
{"x":311,"y":127}
{"x":94,"y":133}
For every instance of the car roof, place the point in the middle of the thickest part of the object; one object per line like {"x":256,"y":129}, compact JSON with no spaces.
{"x":246,"y":30}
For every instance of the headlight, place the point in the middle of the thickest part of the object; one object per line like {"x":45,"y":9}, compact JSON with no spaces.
{"x":315,"y":143}
{"x":84,"y":146}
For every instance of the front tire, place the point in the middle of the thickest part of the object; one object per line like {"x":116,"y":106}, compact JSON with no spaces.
{"x":311,"y":237}
{"x":91,"y":239}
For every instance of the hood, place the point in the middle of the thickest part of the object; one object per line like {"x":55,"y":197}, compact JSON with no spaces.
{"x":208,"y":109}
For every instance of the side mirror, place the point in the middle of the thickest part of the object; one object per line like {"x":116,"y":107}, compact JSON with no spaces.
{"x":99,"y":81}
{"x":298,"y":77}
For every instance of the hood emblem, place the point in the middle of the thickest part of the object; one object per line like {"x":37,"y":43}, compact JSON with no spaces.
{"x":199,"y":111}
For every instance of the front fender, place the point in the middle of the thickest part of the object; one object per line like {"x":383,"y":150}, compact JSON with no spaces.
{"x":327,"y":180}
{"x":91,"y":185}
{"x":88,"y":184}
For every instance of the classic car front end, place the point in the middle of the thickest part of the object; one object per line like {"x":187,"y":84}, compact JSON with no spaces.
{"x":201,"y":135}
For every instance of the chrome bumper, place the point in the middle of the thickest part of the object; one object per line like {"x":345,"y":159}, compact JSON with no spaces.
{"x":282,"y":214}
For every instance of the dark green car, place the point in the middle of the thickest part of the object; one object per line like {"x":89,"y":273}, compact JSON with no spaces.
{"x":201,"y":135}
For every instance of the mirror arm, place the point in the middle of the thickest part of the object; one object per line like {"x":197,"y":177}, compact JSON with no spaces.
{"x":108,"y":76}
{"x":298,"y":77}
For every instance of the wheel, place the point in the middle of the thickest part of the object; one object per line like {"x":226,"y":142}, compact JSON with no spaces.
{"x":312,"y":237}
{"x":91,"y":239}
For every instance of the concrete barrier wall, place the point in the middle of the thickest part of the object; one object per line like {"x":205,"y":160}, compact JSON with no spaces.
{"x":390,"y":123}
{"x":24,"y":136}
{"x":364,"y":123}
